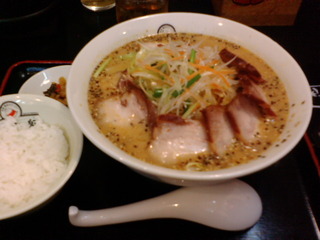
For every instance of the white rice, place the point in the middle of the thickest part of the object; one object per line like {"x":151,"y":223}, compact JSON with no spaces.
{"x":31,"y":161}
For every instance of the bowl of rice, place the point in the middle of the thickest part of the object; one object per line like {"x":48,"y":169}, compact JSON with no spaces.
{"x":40,"y":148}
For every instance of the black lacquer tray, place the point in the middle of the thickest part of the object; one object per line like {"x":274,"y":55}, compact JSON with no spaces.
{"x":290,"y":193}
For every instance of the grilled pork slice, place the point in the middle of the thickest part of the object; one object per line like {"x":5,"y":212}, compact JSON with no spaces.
{"x":256,"y":93}
{"x":126,"y":85}
{"x":243,"y":67}
{"x":123,"y":110}
{"x":219,"y":129}
{"x":245,"y":117}
{"x":130,"y":107}
{"x":174,"y":137}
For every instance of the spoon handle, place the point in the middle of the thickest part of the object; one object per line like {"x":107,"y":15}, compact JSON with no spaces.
{"x":158,"y":207}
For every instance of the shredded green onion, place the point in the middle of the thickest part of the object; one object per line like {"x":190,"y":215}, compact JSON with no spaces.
{"x":157,"y":93}
{"x":101,"y":67}
{"x":190,"y":109}
{"x":163,"y":72}
{"x":193,"y":56}
{"x":176,"y":93}
{"x":128,"y":56}
{"x":193,"y":80}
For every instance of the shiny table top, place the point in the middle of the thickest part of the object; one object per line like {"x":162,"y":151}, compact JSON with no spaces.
{"x":290,"y":189}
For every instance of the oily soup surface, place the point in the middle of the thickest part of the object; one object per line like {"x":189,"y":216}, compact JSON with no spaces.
{"x":135,"y":140}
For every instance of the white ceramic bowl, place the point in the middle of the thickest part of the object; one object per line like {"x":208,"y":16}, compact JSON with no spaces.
{"x":27,"y":106}
{"x":285,"y":66}
{"x":42,"y":80}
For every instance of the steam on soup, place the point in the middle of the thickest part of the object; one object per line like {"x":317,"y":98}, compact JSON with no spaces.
{"x":188,"y":102}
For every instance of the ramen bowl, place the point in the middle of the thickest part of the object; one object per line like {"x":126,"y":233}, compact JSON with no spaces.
{"x":274,"y":55}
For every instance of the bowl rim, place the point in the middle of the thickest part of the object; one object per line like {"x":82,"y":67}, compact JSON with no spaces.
{"x":42,"y":80}
{"x":72,"y":162}
{"x":221,"y":174}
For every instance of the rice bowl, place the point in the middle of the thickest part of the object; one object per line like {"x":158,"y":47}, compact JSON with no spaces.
{"x":41,"y":148}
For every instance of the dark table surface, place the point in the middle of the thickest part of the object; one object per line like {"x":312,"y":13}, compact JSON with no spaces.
{"x":290,"y":189}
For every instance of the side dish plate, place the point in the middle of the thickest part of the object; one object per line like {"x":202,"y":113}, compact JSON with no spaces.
{"x":41,"y":81}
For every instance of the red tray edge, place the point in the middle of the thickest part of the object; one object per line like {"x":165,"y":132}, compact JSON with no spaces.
{"x":10,"y":69}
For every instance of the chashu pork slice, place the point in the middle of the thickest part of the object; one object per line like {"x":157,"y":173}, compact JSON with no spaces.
{"x":256,"y":93}
{"x":126,"y":85}
{"x":130,"y":107}
{"x":174,"y":137}
{"x":220,"y":131}
{"x":121,"y":110}
{"x":245,"y":117}
{"x":241,"y":65}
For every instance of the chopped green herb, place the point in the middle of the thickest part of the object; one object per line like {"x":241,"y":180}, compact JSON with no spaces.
{"x":157,"y":93}
{"x":193,"y":55}
{"x":193,"y":80}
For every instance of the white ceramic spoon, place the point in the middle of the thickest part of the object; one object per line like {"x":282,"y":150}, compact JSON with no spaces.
{"x":232,"y":206}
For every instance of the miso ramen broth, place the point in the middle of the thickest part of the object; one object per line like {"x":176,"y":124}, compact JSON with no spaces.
{"x":156,"y":95}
